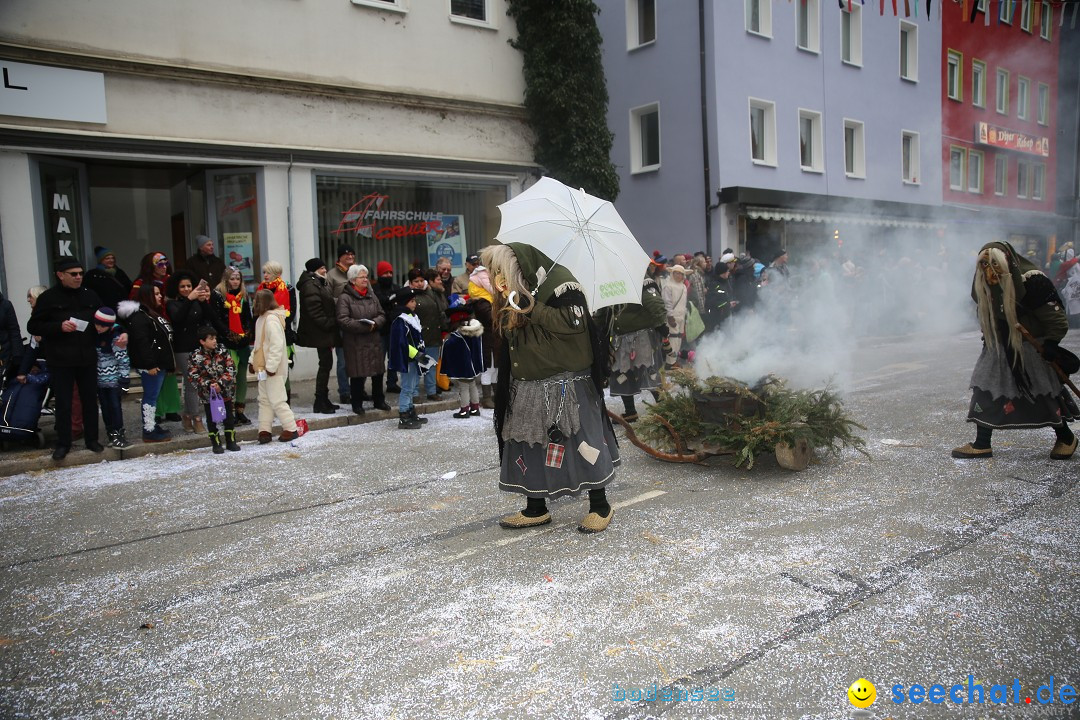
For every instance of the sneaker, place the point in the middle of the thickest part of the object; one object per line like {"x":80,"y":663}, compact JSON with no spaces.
{"x":288,"y":435}
{"x":408,"y":422}
{"x":462,"y":413}
{"x":242,"y":419}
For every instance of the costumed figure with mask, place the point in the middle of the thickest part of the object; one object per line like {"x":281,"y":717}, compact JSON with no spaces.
{"x":554,"y":436}
{"x":1013,"y":386}
{"x":637,"y":346}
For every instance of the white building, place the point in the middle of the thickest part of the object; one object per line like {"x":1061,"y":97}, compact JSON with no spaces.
{"x":139,"y":124}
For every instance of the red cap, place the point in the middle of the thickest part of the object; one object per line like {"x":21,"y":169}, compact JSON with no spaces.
{"x":383,"y":267}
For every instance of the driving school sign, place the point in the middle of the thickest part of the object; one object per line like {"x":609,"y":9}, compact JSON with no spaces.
{"x":368,"y":217}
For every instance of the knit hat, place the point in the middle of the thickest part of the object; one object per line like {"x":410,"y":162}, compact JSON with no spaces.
{"x":100,"y":253}
{"x":67,"y":264}
{"x":473,"y":259}
{"x":314,"y":264}
{"x":382,"y":267}
{"x":780,"y":252}
{"x":105,"y":316}
{"x":345,"y":250}
{"x":727,"y":258}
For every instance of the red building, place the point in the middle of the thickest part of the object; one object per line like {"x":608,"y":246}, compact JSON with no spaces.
{"x":999,"y":121}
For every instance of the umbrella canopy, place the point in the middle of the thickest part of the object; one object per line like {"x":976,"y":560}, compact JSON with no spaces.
{"x":582,"y":233}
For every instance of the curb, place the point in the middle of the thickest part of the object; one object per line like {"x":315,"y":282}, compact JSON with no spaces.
{"x":16,"y":463}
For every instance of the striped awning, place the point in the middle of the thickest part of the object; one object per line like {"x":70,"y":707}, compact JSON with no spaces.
{"x":758,"y":212}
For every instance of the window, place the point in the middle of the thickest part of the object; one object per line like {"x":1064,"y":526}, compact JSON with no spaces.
{"x":811,"y":157}
{"x":1025,"y":15}
{"x":975,"y":172}
{"x":808,"y":24}
{"x":1003,"y":91}
{"x":759,"y":17}
{"x":909,"y":51}
{"x":1038,"y":185}
{"x":982,"y":5}
{"x":475,"y":10}
{"x":953,"y":79}
{"x":909,"y":149}
{"x":1046,"y":20}
{"x":957,"y":166}
{"x":1005,"y":11}
{"x":1021,"y":180}
{"x":763,"y":131}
{"x":645,"y":138}
{"x":1001,"y":174}
{"x":1042,"y":111}
{"x":395,"y":5}
{"x":854,"y":149}
{"x":640,"y":23}
{"x":1022,"y":84}
{"x":851,"y":34}
{"x":978,"y":83}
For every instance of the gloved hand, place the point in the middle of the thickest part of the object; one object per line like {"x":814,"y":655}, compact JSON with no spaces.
{"x":1050,"y":350}
{"x":426,"y":362}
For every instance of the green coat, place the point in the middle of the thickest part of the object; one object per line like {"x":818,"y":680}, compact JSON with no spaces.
{"x":649,"y":314}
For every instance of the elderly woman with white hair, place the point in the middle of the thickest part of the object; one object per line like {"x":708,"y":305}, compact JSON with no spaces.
{"x":285,"y":297}
{"x":360,"y":316}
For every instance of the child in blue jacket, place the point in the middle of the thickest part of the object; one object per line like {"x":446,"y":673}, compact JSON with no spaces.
{"x":406,"y":355}
{"x":113,"y":368}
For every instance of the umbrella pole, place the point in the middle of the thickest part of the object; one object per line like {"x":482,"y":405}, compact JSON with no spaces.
{"x":1038,"y":346}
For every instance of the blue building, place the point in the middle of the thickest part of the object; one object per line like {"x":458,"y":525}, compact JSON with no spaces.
{"x":761,"y":124}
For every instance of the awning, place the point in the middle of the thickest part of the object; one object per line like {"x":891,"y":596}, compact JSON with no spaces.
{"x":758,"y":212}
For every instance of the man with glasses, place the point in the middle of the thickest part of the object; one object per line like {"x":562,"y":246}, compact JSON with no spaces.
{"x":64,"y":318}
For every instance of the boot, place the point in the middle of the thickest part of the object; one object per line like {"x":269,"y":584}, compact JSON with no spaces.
{"x":417,"y":418}
{"x":187,"y":422}
{"x":487,"y":400}
{"x":377,"y":395}
{"x":215,"y":441}
{"x":121,"y":440}
{"x":407,"y":422}
{"x":474,"y":409}
{"x":323,"y":406}
{"x":241,"y":418}
{"x":197,"y":425}
{"x":230,"y":441}
{"x":152,"y":432}
{"x":462,"y":413}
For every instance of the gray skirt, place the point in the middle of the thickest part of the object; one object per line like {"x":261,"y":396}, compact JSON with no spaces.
{"x":997,"y":401}
{"x":582,"y":460}
{"x":638,"y":359}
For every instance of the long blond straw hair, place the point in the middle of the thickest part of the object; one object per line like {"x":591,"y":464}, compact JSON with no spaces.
{"x":500,"y":260}
{"x":987,"y":318}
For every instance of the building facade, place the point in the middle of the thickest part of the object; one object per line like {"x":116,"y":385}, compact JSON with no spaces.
{"x":282,"y":130}
{"x":764,"y":124}
{"x":1000,"y":124}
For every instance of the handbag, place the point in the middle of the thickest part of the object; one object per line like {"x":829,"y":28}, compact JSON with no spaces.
{"x":442,"y":380}
{"x":217,"y":406}
{"x":695,"y":326}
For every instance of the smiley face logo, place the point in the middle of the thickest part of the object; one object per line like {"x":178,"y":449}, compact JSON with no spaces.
{"x":862,"y":693}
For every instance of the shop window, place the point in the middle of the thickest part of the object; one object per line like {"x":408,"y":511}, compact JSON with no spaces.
{"x":640,"y":23}
{"x":405,"y":222}
{"x":811,"y":157}
{"x":808,"y":24}
{"x":763,"y":132}
{"x":645,"y":138}
{"x":1001,"y":175}
{"x":759,"y":17}
{"x":909,"y":149}
{"x":957,"y":168}
{"x":851,"y":34}
{"x":909,"y":51}
{"x":854,"y":149}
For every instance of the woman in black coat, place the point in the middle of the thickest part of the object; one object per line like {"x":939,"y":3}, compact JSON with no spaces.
{"x":188,"y":310}
{"x":151,"y":352}
{"x":318,"y":327}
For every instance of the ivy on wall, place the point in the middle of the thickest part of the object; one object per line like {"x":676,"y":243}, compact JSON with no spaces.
{"x":565,"y":92}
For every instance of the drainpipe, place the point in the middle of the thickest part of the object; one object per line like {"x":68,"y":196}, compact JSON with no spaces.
{"x":289,"y":220}
{"x":705,"y":130}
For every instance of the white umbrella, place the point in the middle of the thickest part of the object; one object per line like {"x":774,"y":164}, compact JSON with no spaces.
{"x":582,"y":233}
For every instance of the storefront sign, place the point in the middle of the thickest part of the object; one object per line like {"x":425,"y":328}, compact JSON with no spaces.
{"x":448,"y":240}
{"x":61,"y":200}
{"x":239,"y":253}
{"x":52,"y":93}
{"x":994,"y":136}
{"x":364,"y":217}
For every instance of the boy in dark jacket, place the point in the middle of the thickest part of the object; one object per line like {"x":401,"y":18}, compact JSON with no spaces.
{"x":113,"y":368}
{"x":406,"y":353}
{"x":211,"y":368}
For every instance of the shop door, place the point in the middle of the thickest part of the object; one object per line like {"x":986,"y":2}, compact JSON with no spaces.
{"x":235,"y":218}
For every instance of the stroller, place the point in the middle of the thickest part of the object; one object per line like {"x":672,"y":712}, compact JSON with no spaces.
{"x":20,"y":408}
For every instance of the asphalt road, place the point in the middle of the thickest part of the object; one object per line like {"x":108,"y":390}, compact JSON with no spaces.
{"x":360,"y":573}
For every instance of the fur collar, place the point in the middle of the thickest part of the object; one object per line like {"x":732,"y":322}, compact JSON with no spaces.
{"x":471,"y":328}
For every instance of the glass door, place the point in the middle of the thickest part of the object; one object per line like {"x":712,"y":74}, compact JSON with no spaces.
{"x":235,"y":212}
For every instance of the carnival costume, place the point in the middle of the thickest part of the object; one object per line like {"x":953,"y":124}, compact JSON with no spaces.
{"x":637,"y":347}
{"x":1013,"y":386}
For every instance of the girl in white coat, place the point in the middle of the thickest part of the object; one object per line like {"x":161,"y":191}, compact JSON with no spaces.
{"x":675,"y":295}
{"x":272,"y":366}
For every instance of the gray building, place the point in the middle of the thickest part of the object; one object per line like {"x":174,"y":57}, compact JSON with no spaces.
{"x":764,"y":124}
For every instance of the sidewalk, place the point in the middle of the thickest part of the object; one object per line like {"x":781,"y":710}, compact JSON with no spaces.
{"x":16,"y":460}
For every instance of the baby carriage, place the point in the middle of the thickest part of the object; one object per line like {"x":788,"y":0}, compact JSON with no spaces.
{"x":20,"y":408}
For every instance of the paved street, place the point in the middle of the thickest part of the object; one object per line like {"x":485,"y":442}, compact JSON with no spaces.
{"x":360,"y":573}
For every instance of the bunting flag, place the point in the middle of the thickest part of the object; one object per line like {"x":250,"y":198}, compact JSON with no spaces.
{"x":1061,"y":21}
{"x":963,"y":7}
{"x":986,"y":15}
{"x":883,"y":9}
{"x":974,"y":10}
{"x":894,"y":8}
{"x":907,"y":8}
{"x":928,"y":9}
{"x":1012,"y":11}
{"x":916,"y":8}
{"x":1072,"y":24}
